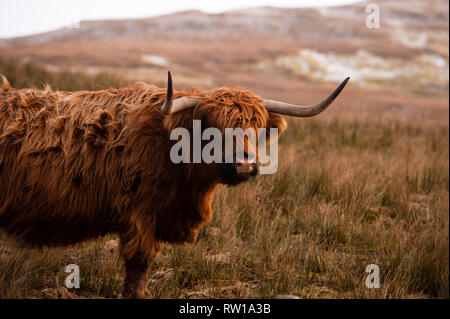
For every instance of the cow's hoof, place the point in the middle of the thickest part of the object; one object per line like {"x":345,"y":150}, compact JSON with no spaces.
{"x":145,"y":295}
{"x":142,"y":294}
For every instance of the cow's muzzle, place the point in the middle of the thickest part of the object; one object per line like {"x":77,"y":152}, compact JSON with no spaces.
{"x":235,"y":173}
{"x":250,"y":169}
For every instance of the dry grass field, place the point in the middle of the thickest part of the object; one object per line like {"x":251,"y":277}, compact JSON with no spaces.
{"x":370,"y":186}
{"x":366,"y":182}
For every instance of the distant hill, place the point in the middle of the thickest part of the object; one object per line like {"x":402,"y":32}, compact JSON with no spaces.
{"x":273,"y":50}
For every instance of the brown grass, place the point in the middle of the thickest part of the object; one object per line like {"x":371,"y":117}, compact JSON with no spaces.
{"x":351,"y":190}
{"x":27,"y":75}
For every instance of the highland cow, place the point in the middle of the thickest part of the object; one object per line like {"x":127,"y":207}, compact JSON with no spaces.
{"x":75,"y":166}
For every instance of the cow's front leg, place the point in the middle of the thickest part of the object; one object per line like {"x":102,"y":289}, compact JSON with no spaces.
{"x":135,"y":284}
{"x":137,"y":262}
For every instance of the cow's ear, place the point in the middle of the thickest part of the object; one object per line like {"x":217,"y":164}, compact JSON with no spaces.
{"x":275,"y":121}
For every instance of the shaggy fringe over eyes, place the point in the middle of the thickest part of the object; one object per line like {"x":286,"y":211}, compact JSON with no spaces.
{"x":221,"y":108}
{"x":232,"y":107}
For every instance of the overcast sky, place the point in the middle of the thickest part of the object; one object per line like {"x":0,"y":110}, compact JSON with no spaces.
{"x":24,"y":17}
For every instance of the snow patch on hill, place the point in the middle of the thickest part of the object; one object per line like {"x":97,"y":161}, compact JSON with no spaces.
{"x":365,"y":68}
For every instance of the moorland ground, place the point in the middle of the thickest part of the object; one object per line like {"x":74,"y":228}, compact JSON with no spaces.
{"x":366,"y":182}
{"x":359,"y":185}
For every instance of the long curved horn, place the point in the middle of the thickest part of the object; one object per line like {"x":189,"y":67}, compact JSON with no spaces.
{"x":170,"y":105}
{"x":303,"y":111}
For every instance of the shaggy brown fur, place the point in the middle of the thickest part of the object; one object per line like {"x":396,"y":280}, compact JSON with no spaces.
{"x":75,"y":166}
